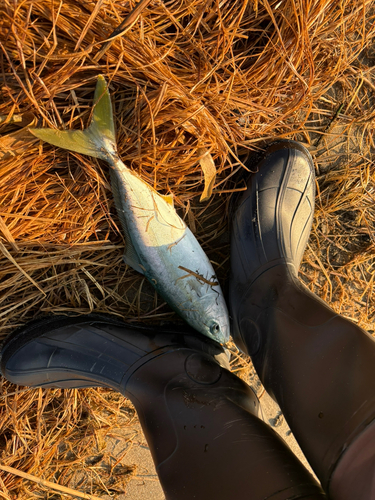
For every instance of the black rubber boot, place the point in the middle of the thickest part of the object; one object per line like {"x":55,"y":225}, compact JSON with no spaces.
{"x":201,"y":422}
{"x":318,"y":366}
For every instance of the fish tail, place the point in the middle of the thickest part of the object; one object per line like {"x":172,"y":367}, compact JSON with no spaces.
{"x":98,"y":140}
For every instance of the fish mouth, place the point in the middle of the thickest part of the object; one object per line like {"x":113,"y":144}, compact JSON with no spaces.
{"x":225,"y":339}
{"x":224,"y":334}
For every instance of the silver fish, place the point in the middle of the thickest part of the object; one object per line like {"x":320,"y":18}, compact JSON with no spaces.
{"x":158,"y":243}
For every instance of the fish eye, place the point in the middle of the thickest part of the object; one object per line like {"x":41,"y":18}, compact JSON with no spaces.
{"x":214,"y":328}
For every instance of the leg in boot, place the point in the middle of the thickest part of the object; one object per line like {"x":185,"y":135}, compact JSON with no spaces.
{"x":200,"y":420}
{"x":318,"y":366}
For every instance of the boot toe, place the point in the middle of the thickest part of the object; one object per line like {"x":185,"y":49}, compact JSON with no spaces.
{"x":272,"y":222}
{"x":90,"y":351}
{"x":29,"y":366}
{"x":56,"y":360}
{"x":273,"y":219}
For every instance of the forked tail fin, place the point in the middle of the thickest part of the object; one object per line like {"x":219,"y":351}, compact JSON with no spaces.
{"x":98,"y":139}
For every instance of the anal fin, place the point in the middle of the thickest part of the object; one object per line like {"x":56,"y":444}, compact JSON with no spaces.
{"x":130,"y":256}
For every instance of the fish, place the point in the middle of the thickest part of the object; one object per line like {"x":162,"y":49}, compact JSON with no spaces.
{"x":158,"y":243}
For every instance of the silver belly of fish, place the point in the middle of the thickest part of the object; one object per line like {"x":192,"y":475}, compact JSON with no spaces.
{"x":161,"y":246}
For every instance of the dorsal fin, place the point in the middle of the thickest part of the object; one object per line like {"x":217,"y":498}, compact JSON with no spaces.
{"x":168,"y":198}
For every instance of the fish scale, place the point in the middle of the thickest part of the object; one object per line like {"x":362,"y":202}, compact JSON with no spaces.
{"x":158,"y":242}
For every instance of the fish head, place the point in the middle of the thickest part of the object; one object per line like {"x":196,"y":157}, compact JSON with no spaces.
{"x":209,"y":315}
{"x":218,"y":330}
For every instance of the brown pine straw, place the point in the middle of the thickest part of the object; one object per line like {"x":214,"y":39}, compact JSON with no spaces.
{"x":187,"y":78}
{"x":48,"y":484}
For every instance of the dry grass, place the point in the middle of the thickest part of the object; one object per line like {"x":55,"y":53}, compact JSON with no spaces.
{"x":224,"y":76}
{"x":61,"y":436}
